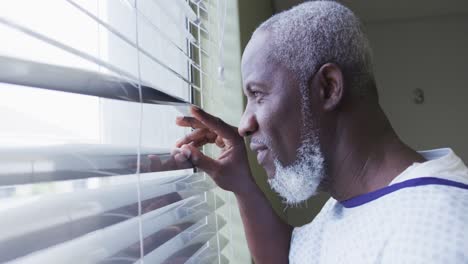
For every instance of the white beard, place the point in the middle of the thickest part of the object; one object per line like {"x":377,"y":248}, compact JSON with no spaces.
{"x":300,"y":180}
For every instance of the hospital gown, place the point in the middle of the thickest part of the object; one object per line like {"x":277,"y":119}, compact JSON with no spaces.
{"x":421,"y":217}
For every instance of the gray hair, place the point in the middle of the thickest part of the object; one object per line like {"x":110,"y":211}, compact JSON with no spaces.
{"x":311,"y":34}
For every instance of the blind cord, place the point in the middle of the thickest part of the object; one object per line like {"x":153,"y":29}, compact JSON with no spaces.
{"x":140,"y":126}
{"x":221,"y":30}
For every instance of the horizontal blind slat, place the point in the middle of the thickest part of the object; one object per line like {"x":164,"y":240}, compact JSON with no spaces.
{"x":130,"y":42}
{"x":167,"y":38}
{"x":200,"y":4}
{"x":113,"y":68}
{"x":187,"y":242}
{"x":209,"y":252}
{"x":90,"y":248}
{"x":74,"y":161}
{"x":91,"y":204}
{"x":67,"y":48}
{"x":108,"y":243}
{"x":170,"y":14}
{"x":159,"y":234}
{"x":155,"y":28}
{"x":65,"y":79}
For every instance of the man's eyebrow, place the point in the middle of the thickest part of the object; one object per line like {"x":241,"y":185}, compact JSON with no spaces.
{"x":250,"y":86}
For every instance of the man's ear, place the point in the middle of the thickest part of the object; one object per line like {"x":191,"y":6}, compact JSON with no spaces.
{"x":331,"y":86}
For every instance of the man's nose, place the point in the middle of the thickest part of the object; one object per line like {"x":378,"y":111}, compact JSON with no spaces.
{"x":248,"y":124}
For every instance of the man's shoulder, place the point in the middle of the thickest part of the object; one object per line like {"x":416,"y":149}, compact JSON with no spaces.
{"x":430,"y":206}
{"x":428,"y":225}
{"x":437,"y":186}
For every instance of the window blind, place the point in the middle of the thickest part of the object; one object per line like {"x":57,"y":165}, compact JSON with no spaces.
{"x":89,"y":92}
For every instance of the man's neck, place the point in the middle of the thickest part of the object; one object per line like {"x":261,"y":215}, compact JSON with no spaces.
{"x":367,"y":157}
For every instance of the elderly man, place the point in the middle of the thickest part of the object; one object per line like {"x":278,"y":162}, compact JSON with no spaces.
{"x":314,"y":120}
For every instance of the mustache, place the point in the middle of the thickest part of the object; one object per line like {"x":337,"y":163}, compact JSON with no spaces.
{"x":261,"y":141}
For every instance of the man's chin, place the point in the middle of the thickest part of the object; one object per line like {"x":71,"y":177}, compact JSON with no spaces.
{"x":292,"y":194}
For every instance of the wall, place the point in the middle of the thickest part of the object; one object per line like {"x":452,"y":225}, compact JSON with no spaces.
{"x":251,"y":15}
{"x":430,"y":54}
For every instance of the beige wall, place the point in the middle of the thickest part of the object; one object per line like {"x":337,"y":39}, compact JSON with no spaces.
{"x":430,"y":54}
{"x":251,"y":15}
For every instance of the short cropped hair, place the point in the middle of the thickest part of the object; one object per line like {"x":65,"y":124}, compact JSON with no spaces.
{"x":311,"y":34}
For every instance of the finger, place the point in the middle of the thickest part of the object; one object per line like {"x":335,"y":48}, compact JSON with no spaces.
{"x":199,"y":160}
{"x":209,"y":138}
{"x":197,"y":135}
{"x":175,"y":151}
{"x":175,"y":161}
{"x":200,"y":143}
{"x":155,"y":163}
{"x":178,"y":160}
{"x":187,"y":121}
{"x":163,"y":165}
{"x":220,"y":142}
{"x":216,"y":124}
{"x":182,"y":162}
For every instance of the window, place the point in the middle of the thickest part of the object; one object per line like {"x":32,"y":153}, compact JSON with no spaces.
{"x":88,"y":90}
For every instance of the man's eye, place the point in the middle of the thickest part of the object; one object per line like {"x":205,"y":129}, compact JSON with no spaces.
{"x":256,"y":93}
{"x":258,"y":96}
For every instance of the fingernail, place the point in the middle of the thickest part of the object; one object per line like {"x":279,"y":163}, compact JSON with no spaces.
{"x":180,"y":158}
{"x":175,"y":151}
{"x":196,"y":108}
{"x":186,"y":151}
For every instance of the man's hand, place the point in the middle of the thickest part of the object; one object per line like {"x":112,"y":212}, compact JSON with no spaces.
{"x":231,"y":169}
{"x":267,"y":235}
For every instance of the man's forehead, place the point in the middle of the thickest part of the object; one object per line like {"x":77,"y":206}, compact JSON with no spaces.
{"x":256,"y":57}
